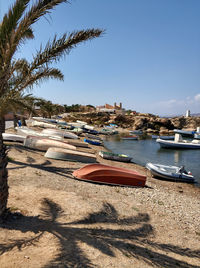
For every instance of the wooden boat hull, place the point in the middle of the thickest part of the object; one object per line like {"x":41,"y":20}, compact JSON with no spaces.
{"x":44,"y":144}
{"x":13,"y":137}
{"x":169,"y":173}
{"x":115,"y":157}
{"x":178,"y":145}
{"x":110,"y":175}
{"x":70,"y":155}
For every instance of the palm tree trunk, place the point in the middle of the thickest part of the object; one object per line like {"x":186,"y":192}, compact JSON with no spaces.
{"x":3,"y":171}
{"x":15,"y":120}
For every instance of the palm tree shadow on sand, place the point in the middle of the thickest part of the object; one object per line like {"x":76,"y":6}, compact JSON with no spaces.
{"x":131,"y":237}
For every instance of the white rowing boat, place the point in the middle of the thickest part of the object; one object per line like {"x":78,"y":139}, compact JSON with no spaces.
{"x":44,"y":144}
{"x":25,"y":131}
{"x":70,"y":155}
{"x":12,"y":137}
{"x":59,"y":132}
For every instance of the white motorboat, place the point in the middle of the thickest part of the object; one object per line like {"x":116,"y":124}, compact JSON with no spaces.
{"x":173,"y":173}
{"x":185,"y":133}
{"x":179,"y":143}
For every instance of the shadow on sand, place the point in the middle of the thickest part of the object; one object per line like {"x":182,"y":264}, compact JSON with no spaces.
{"x":130,"y":236}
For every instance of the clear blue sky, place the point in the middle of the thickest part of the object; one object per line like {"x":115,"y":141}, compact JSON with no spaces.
{"x":148,"y":58}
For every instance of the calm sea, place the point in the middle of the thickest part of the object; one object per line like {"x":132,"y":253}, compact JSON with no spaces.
{"x":148,"y":150}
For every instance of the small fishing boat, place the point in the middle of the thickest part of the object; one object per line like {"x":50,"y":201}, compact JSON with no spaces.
{"x":43,"y":144}
{"x":162,"y":137}
{"x":173,"y":173}
{"x":115,"y":157}
{"x":13,"y":137}
{"x":138,"y":131}
{"x":185,"y":133}
{"x":179,"y":143}
{"x":93,"y":137}
{"x":88,"y":127}
{"x":110,"y":175}
{"x":90,"y":131}
{"x":93,"y":142}
{"x":130,"y":137}
{"x":70,"y":155}
{"x":105,"y":131}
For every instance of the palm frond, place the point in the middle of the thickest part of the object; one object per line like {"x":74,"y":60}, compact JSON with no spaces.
{"x":39,"y":9}
{"x":41,"y":75}
{"x":54,"y":50}
{"x":11,"y":20}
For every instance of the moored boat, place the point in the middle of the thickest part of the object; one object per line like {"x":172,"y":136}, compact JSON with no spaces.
{"x":173,"y":173}
{"x":162,"y":137}
{"x":138,"y":131}
{"x":185,"y":133}
{"x":110,"y":175}
{"x":130,"y":137}
{"x":115,"y":157}
{"x":70,"y":155}
{"x":179,"y":143}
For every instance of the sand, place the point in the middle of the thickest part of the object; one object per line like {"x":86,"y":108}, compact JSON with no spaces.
{"x":55,"y":220}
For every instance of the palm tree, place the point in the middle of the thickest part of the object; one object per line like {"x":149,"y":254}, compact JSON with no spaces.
{"x":16,"y":76}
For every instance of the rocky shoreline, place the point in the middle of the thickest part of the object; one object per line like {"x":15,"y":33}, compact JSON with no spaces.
{"x":147,"y":122}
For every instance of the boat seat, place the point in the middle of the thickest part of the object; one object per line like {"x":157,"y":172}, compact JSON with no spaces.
{"x":196,"y":141}
{"x":162,"y":169}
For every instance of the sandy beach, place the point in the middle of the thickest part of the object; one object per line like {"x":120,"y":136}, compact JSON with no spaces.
{"x":58,"y":221}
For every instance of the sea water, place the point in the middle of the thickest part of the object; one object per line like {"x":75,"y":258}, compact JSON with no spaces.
{"x":148,"y":150}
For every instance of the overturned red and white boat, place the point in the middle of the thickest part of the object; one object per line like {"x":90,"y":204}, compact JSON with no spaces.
{"x":110,"y":175}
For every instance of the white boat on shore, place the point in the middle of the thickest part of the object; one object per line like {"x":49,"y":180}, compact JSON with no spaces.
{"x":44,"y":144}
{"x":70,"y":155}
{"x":13,"y":137}
{"x":172,"y":173}
{"x":43,"y":124}
{"x":59,"y":132}
{"x":25,"y":131}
